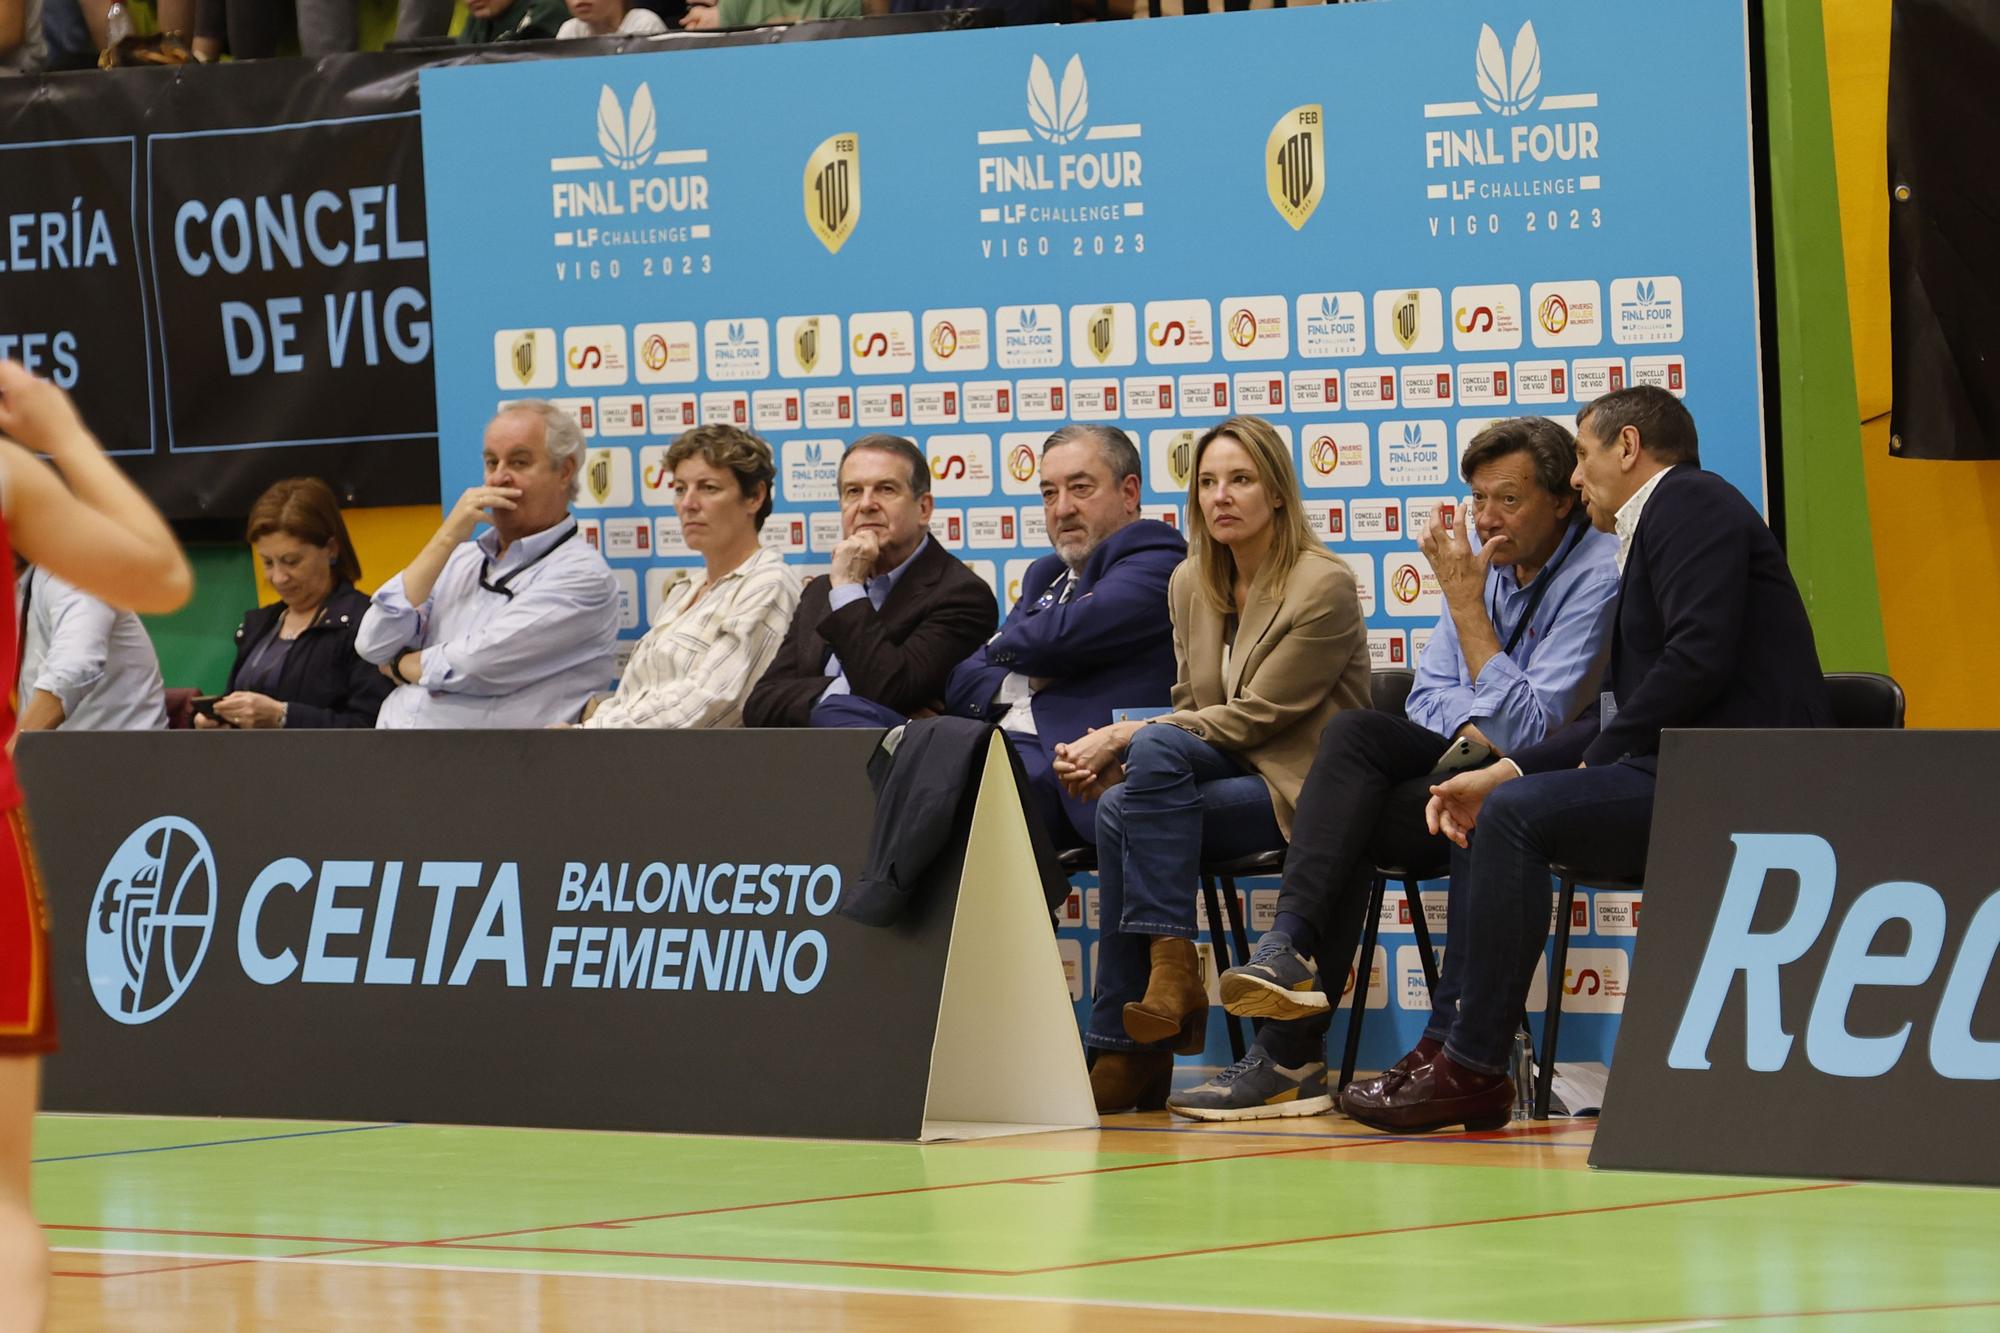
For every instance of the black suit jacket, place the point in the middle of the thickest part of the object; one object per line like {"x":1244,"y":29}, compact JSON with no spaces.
{"x":323,"y":681}
{"x":938,"y":612}
{"x":1710,"y":632}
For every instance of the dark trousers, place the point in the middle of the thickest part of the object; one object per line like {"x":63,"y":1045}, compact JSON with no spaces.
{"x":1362,"y":806}
{"x":1044,"y":792}
{"x":1597,"y":818}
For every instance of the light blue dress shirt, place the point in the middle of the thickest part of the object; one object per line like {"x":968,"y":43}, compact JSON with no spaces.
{"x":876,"y":590}
{"x":99,"y":663}
{"x":490,"y":660}
{"x":1520,"y":698}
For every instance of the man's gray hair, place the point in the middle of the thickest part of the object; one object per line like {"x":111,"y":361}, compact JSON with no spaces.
{"x":1114,"y":446}
{"x":561,"y":436}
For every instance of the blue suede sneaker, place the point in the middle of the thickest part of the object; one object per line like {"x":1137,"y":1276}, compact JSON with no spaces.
{"x":1277,"y":982}
{"x":1256,"y":1088}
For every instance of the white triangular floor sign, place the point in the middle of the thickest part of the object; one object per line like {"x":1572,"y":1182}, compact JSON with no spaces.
{"x":1007,"y":1058}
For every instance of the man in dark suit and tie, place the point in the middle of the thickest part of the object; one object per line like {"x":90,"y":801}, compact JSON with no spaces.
{"x":1709,"y":632}
{"x":1090,"y":632}
{"x":874,"y":642}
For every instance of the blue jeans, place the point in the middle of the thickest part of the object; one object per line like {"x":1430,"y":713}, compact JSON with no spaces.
{"x":1183,"y":801}
{"x":1591,"y":818}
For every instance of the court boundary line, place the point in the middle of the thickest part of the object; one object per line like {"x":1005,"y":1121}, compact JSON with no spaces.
{"x":1440,"y":1325}
{"x":221,"y":1143}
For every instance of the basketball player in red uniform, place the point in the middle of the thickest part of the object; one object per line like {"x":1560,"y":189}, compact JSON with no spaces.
{"x":93,"y":528}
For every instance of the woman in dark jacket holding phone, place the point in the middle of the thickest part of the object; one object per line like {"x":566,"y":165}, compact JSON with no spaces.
{"x":295,"y":660}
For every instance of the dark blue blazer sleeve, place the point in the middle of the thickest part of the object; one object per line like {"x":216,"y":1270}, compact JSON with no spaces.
{"x":975,"y":681}
{"x":1120,"y":613}
{"x":1698,"y":567}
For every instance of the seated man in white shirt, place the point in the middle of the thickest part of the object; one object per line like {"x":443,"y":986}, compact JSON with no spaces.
{"x":717,"y":627}
{"x":84,"y":666}
{"x":517,"y":627}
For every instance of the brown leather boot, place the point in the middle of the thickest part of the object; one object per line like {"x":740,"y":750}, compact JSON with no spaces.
{"x":1174,"y":994}
{"x":1131,"y":1080}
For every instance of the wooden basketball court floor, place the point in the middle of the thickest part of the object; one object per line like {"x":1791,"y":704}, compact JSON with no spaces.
{"x":205,"y":1225}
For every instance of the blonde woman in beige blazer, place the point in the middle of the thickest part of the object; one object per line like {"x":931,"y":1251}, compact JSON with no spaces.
{"x":1270,"y":644}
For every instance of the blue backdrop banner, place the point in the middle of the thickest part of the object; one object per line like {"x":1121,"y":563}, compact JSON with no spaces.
{"x":1380,"y":225}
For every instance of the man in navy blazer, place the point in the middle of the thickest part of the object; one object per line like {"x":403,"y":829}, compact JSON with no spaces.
{"x":1709,"y":632}
{"x":1090,"y":632}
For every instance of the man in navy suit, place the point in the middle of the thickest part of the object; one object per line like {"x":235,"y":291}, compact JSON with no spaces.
{"x":1709,"y":632}
{"x":1090,"y":632}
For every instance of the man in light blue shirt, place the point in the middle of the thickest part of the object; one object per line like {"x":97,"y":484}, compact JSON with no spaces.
{"x":1517,"y":652}
{"x":84,"y":666}
{"x":512,"y":629}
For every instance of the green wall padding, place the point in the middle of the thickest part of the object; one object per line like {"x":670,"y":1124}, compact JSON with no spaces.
{"x":197,"y":643}
{"x":1826,"y":496}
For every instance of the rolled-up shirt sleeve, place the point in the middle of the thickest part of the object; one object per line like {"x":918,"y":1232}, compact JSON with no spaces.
{"x":562,"y":620}
{"x":79,"y":642}
{"x":392,"y":626}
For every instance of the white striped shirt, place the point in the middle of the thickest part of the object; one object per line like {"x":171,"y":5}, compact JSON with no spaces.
{"x":697,"y":663}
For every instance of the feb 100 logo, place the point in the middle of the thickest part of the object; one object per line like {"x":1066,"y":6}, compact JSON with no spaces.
{"x":151,"y":920}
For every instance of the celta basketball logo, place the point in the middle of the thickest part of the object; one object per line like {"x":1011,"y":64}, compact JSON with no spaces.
{"x":1509,"y":87}
{"x":597,"y":474}
{"x":524,"y":357}
{"x":151,"y":920}
{"x":1295,"y":164}
{"x":833,"y":190}
{"x":1103,"y":330}
{"x":1058,"y":118}
{"x":626,"y":138}
{"x":805,"y":343}
{"x":1406,"y":584}
{"x":1406,"y":318}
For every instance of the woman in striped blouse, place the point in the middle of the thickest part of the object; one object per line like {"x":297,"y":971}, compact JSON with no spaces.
{"x":716,"y":628}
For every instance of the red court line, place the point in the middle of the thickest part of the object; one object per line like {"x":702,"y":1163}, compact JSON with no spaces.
{"x":1435,"y":1226}
{"x":224,"y":1235}
{"x":1042,"y":1179}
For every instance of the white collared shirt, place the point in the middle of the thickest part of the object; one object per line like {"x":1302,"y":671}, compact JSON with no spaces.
{"x":494,"y":660}
{"x":1627,"y":520}
{"x":697,"y":663}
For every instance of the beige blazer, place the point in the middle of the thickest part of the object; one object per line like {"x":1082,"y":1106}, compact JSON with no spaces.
{"x":1297,"y":660}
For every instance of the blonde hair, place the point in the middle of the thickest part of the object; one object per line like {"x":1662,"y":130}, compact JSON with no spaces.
{"x":1214,"y":566}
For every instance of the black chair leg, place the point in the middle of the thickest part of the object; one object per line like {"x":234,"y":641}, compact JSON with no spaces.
{"x":1552,"y":1019}
{"x":1364,"y":975}
{"x":1218,"y":938}
{"x":1232,"y":906}
{"x":1425,"y":953}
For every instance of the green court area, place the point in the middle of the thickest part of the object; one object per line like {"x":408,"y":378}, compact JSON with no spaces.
{"x":1312,"y":1217}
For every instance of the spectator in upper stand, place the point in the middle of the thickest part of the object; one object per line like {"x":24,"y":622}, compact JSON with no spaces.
{"x":329,"y":27}
{"x":511,"y":21}
{"x":712,"y":636}
{"x":1527,"y":616}
{"x":23,"y":48}
{"x":517,"y":627}
{"x":84,"y":665}
{"x":295,"y":661}
{"x":875,"y":641}
{"x":1090,"y":633}
{"x":709,"y":14}
{"x":610,"y":18}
